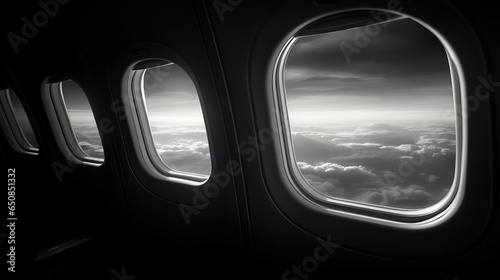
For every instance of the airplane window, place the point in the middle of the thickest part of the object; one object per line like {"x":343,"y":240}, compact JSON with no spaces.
{"x":77,"y":121}
{"x":370,"y":113}
{"x":25,"y":136}
{"x":172,"y":120}
{"x":82,"y":119}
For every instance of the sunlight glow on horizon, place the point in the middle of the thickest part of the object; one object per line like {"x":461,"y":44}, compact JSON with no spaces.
{"x":367,"y":116}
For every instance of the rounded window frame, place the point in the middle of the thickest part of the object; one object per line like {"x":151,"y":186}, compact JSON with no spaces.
{"x":398,"y":217}
{"x":15,"y":135}
{"x":136,"y":109}
{"x":55,"y":106}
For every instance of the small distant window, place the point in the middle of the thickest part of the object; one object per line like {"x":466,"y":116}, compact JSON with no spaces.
{"x":76,"y":121}
{"x":18,"y":122}
{"x":367,"y":110}
{"x":171,"y":120}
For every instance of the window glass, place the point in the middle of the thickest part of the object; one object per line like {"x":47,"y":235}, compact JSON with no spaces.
{"x":175,"y":119}
{"x":371,"y":114}
{"x":82,"y":119}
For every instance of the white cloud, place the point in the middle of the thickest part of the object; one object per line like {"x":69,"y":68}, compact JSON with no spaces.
{"x":329,"y":167}
{"x":411,"y":197}
{"x":403,"y":148}
{"x":432,"y":178}
{"x":353,"y":162}
{"x":358,"y":145}
{"x":184,"y":149}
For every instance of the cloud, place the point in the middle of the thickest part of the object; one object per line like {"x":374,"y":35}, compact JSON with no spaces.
{"x":403,"y":147}
{"x":404,"y":197}
{"x":359,"y":184}
{"x":335,"y":179}
{"x":348,"y":162}
{"x":354,"y":162}
{"x":189,"y":161}
{"x":358,"y":145}
{"x":89,"y":139}
{"x":184,"y":149}
{"x":353,"y":173}
{"x":432,"y":178}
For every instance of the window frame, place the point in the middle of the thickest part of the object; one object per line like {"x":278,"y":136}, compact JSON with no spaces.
{"x":134,"y":97}
{"x":58,"y":114}
{"x":364,"y":211}
{"x":14,"y":132}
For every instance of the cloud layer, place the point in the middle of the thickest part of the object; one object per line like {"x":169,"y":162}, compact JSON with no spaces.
{"x":391,"y":165}
{"x":183,"y":148}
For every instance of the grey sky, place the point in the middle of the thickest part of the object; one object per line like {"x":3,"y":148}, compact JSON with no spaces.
{"x":171,"y":97}
{"x":403,"y":72}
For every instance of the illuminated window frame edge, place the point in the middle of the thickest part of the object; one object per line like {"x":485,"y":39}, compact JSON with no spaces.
{"x":15,"y":136}
{"x":396,"y":217}
{"x":134,"y":100}
{"x":60,"y":121}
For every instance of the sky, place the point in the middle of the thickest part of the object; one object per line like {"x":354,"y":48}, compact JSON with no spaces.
{"x":171,"y":97}
{"x":355,"y":122}
{"x":403,"y":73}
